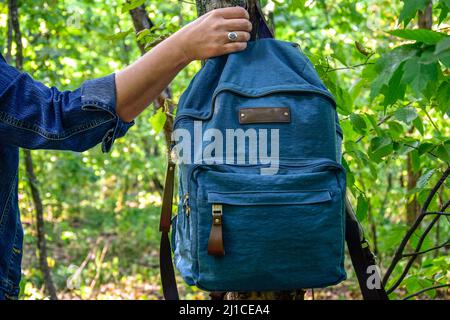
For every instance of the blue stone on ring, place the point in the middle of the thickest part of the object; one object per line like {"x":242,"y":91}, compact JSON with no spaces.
{"x":232,"y":36}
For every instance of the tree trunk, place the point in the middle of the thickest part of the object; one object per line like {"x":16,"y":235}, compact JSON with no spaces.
{"x":13,"y":22}
{"x":40,"y":227}
{"x":425,"y":17}
{"x":424,"y":21}
{"x":141,"y":21}
{"x":204,"y":6}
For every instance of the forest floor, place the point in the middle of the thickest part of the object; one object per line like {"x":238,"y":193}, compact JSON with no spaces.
{"x":113,"y":255}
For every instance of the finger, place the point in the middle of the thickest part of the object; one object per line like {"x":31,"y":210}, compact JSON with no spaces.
{"x":242,"y":36}
{"x":232,"y":13}
{"x":234,"y":47}
{"x":237,"y":25}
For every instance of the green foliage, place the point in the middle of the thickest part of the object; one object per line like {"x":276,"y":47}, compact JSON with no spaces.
{"x":410,"y":8}
{"x":392,"y":89}
{"x":420,"y":35}
{"x":158,"y":120}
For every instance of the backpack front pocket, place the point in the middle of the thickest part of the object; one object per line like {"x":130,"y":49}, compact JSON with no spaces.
{"x":279,"y":232}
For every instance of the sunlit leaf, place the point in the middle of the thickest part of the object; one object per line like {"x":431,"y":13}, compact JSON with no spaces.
{"x":158,"y":120}
{"x":423,"y":180}
{"x":406,"y":114}
{"x":419,"y":35}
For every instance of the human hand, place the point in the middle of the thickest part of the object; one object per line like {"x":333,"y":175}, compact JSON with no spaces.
{"x":208,"y":35}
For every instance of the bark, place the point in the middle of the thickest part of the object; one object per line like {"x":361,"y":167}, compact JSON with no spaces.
{"x":204,"y":6}
{"x":424,"y":21}
{"x":13,"y":22}
{"x":425,"y":17}
{"x":40,"y":226}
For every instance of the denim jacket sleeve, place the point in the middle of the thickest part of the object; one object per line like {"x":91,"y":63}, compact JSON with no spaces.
{"x":34,"y":116}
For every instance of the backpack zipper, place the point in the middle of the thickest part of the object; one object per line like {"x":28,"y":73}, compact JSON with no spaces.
{"x":186,"y":206}
{"x":246,"y":95}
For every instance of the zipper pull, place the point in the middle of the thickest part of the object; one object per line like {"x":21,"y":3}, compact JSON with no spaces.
{"x":215,"y":242}
{"x":187,"y":209}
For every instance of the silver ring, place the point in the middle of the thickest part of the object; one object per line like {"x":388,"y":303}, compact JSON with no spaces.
{"x":232,"y":36}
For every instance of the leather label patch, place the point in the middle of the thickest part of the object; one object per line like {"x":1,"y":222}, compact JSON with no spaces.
{"x":264,"y":115}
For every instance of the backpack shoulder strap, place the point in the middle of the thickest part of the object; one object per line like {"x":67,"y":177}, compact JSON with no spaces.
{"x":167,"y":271}
{"x":363,"y":259}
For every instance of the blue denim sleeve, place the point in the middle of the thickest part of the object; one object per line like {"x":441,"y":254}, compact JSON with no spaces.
{"x":34,"y":116}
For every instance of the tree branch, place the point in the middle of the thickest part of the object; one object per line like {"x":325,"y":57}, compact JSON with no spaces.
{"x":425,"y":290}
{"x":445,"y":244}
{"x":399,"y":252}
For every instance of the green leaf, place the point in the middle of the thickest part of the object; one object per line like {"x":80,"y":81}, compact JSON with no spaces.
{"x":119,"y":35}
{"x":443,"y":152}
{"x":142,"y":34}
{"x":349,"y":175}
{"x":395,"y":89}
{"x":358,"y":123}
{"x":387,"y":65}
{"x":133,"y":4}
{"x":395,"y":129}
{"x":406,"y":114}
{"x":340,"y":53}
{"x":296,"y":4}
{"x":423,"y":195}
{"x":380,"y":147}
{"x":418,"y":124}
{"x":418,"y":75}
{"x":424,"y":147}
{"x":415,"y":161}
{"x":445,"y":9}
{"x":374,"y":124}
{"x":423,"y":180}
{"x":443,"y":97}
{"x":420,"y":35}
{"x":412,"y":284}
{"x":362,"y":208}
{"x":442,"y":46}
{"x":410,"y":8}
{"x":158,"y":120}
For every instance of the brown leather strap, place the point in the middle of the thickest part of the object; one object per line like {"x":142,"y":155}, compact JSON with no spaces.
{"x":215,"y":242}
{"x":168,"y":280}
{"x":167,"y":271}
{"x":167,"y":201}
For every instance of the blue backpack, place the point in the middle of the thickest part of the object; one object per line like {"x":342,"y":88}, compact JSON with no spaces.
{"x":262,"y":203}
